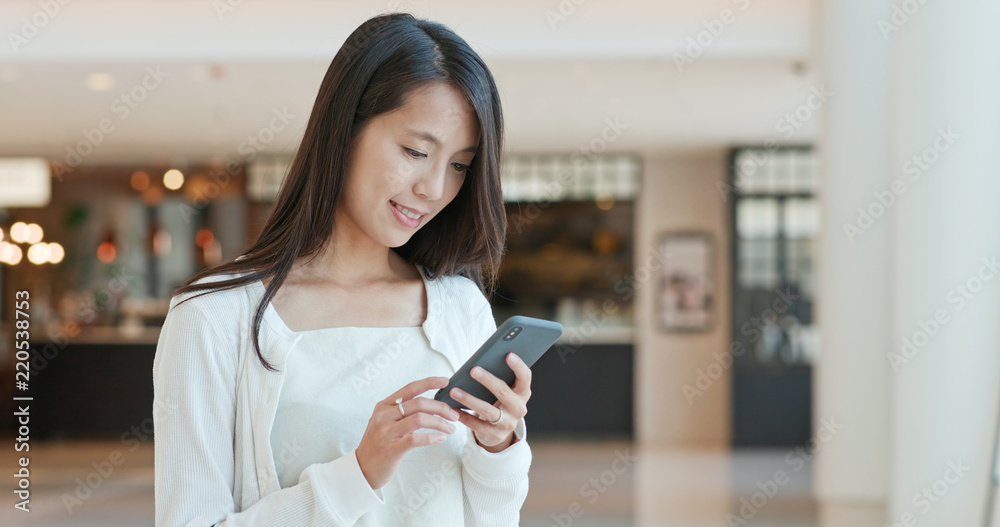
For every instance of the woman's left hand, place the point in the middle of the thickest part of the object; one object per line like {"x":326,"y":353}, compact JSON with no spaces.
{"x":514,"y":400}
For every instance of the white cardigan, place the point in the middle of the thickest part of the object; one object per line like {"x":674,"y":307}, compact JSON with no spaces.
{"x":214,"y":404}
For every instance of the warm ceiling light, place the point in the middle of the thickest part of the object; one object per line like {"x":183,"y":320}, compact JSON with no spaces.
{"x":140,"y":180}
{"x":204,"y":238}
{"x":106,"y":252}
{"x":33,"y":233}
{"x":100,"y":81}
{"x":38,"y":253}
{"x":56,"y":253}
{"x":17,"y":233}
{"x":152,"y":195}
{"x":16,"y":258}
{"x":161,"y":242}
{"x":10,"y":253}
{"x":173,"y":179}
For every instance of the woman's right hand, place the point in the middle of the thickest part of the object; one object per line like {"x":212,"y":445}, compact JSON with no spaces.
{"x":390,"y":435}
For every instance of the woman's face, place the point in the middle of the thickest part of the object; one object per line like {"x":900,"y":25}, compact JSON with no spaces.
{"x":415,"y":157}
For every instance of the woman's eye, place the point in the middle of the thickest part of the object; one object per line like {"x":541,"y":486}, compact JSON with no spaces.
{"x":413,"y":153}
{"x":460,"y":167}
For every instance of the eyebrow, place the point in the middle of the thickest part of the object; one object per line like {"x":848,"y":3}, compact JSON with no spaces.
{"x":430,"y":138}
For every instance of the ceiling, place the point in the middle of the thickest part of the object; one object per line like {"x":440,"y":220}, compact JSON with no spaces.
{"x":224,"y":67}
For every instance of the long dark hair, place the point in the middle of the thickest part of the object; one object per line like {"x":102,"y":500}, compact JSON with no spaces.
{"x":381,"y":61}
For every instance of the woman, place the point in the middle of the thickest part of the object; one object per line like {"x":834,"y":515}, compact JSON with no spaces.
{"x":293,"y":388}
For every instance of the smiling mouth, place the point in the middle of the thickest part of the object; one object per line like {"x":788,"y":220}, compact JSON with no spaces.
{"x":405,"y":217}
{"x":406,"y":212}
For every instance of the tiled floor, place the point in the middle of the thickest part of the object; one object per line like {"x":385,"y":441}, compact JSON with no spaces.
{"x":666,"y":488}
{"x":578,"y":484}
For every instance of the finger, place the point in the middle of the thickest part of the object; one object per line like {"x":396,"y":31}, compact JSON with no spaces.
{"x":430,"y":406}
{"x":522,"y":386}
{"x":417,"y":439}
{"x":496,"y":386}
{"x":483,"y":431}
{"x":482,"y":408}
{"x":418,"y":421}
{"x":416,"y":388}
{"x":476,"y":424}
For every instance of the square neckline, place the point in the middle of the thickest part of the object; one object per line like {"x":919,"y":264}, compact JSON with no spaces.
{"x":271,"y":313}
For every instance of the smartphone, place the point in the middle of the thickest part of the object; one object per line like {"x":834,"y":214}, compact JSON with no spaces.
{"x":528,"y":337}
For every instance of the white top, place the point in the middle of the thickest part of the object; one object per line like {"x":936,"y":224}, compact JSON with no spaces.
{"x":214,"y":406}
{"x":314,"y":425}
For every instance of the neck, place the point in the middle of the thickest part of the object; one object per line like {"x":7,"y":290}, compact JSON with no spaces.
{"x":352,"y":259}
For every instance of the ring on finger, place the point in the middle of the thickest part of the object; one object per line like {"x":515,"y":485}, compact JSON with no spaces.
{"x":399,"y":402}
{"x":480,"y":416}
{"x":498,"y":418}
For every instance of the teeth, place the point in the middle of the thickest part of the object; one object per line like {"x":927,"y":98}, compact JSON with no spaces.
{"x":406,"y":212}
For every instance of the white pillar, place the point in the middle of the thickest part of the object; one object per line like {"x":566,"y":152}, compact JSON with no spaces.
{"x":945,"y":84}
{"x":851,"y":375}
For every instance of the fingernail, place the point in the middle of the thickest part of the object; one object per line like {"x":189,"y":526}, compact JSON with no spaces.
{"x":451,"y":428}
{"x":453,"y":414}
{"x":456,"y":393}
{"x":477,"y":372}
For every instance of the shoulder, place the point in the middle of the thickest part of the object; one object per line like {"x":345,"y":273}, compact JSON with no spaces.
{"x":216,"y":297}
{"x":222,"y":309}
{"x":466,"y":313}
{"x":199,"y":345}
{"x":461,"y":298}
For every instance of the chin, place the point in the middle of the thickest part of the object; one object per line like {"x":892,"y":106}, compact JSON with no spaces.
{"x":396,"y":245}
{"x":398,"y":241}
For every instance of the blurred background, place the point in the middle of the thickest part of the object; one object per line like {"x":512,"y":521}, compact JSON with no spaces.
{"x":769,"y":228}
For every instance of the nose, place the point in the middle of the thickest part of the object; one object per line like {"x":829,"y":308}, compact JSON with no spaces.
{"x":431,"y":182}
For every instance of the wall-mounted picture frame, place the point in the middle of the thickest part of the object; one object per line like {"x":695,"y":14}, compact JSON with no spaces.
{"x":687,"y":291}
